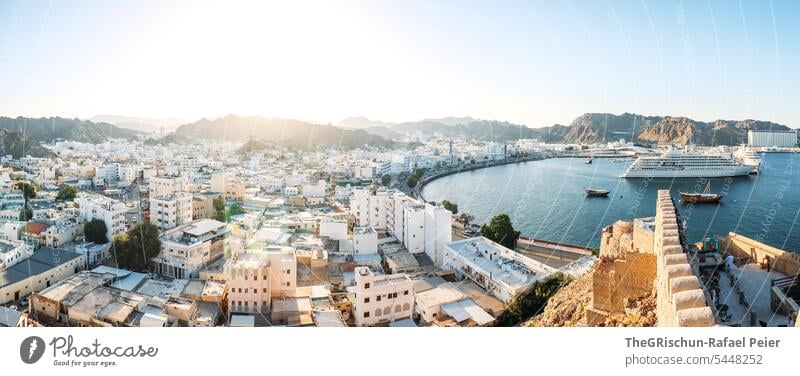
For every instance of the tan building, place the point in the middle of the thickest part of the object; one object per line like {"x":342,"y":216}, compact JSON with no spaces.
{"x":203,"y":205}
{"x":232,"y":187}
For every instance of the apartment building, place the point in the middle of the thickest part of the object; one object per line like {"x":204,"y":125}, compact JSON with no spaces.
{"x":164,"y":185}
{"x":112,"y":212}
{"x":187,"y":248}
{"x":255,"y":277}
{"x":232,"y":187}
{"x":171,"y":210}
{"x":420,"y":227}
{"x":381,"y":299}
{"x":203,"y":205}
{"x":63,"y":231}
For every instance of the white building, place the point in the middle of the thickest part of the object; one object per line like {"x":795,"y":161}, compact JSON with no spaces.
{"x":187,"y":248}
{"x":381,"y":298}
{"x":365,"y":240}
{"x":108,"y":210}
{"x":164,"y":185}
{"x":500,"y":271}
{"x":780,"y":139}
{"x":333,"y":228}
{"x":369,"y":207}
{"x":12,"y":253}
{"x":314,"y":190}
{"x":420,"y":227}
{"x":171,"y":210}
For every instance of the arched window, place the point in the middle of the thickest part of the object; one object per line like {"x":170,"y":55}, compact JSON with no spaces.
{"x":406,"y":307}
{"x":387,"y":310}
{"x":397,"y":309}
{"x":377,"y":312}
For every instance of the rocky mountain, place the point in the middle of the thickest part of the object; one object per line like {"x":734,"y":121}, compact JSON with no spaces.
{"x":286,"y":132}
{"x":55,"y":128}
{"x":594,"y":127}
{"x":18,"y":145}
{"x":597,"y":127}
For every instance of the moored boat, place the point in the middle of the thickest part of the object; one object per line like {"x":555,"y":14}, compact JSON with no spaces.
{"x":700,"y":198}
{"x":593,"y":192}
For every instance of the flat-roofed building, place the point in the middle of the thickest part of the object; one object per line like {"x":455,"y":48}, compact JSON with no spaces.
{"x":780,"y":139}
{"x":500,"y":271}
{"x":381,"y":299}
{"x":37,"y":272}
{"x":12,"y":253}
{"x":108,"y":210}
{"x":188,"y":248}
{"x":171,"y":210}
{"x":164,"y":185}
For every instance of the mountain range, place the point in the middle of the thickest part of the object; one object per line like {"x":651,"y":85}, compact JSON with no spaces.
{"x":23,"y":135}
{"x":587,"y":128}
{"x":286,"y":132}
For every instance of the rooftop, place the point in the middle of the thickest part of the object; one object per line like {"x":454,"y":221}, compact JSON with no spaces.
{"x":41,"y":261}
{"x":502,"y":264}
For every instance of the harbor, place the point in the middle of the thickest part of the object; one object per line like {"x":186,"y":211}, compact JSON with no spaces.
{"x":546,"y":199}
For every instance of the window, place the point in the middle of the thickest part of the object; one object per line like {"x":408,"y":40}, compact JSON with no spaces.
{"x":366,"y":285}
{"x":265,"y":290}
{"x":366,"y":314}
{"x":405,"y":292}
{"x":366,"y":300}
{"x":379,"y":298}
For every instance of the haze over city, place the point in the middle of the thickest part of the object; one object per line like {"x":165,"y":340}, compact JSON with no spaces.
{"x":533,"y":63}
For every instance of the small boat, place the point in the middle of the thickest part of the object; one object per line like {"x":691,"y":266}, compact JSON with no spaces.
{"x":700,"y":198}
{"x":592,"y":192}
{"x":589,"y":161}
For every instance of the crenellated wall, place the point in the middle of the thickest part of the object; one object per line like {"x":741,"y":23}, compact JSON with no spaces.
{"x":681,"y":300}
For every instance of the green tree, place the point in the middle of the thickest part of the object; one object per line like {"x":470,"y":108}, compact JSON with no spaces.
{"x":66,"y":193}
{"x":135,"y":249}
{"x":412,"y":181}
{"x":501,"y":231}
{"x":451,"y":206}
{"x":386,"y":179}
{"x":25,"y":214}
{"x":219,"y":208}
{"x":95,"y":231}
{"x":28,"y":191}
{"x":235,"y":209}
{"x":466,"y":218}
{"x":531,"y":302}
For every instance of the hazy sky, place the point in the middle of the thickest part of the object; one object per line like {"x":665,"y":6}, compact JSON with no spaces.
{"x":531,"y":62}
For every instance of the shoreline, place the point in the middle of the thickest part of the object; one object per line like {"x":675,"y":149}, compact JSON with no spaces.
{"x":417,"y":192}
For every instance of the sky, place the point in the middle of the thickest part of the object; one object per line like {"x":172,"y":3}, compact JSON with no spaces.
{"x":529,"y":62}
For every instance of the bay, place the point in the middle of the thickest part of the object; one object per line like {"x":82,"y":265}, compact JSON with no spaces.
{"x":545,"y":199}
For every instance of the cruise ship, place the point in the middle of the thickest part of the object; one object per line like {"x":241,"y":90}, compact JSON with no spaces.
{"x":748,"y":157}
{"x":677,"y":164}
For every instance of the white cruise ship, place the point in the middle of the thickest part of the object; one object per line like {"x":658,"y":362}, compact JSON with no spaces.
{"x":677,"y":164}
{"x":748,"y":157}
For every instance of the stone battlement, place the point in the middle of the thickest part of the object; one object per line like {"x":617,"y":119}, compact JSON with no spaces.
{"x":681,"y":300}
